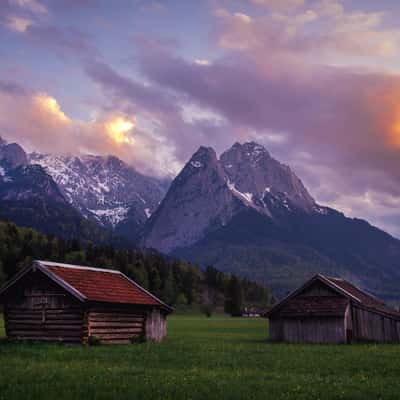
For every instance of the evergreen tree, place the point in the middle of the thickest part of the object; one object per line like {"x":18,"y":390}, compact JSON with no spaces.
{"x":168,"y":292}
{"x":174,"y":281}
{"x":234,"y":297}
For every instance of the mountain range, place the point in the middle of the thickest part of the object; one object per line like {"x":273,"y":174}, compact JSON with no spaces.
{"x":105,"y":189}
{"x":87,"y":197}
{"x":243,"y":212}
{"x":247,"y":213}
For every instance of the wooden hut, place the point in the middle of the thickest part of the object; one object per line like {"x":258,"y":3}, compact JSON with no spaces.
{"x":332,"y":310}
{"x":57,"y":302}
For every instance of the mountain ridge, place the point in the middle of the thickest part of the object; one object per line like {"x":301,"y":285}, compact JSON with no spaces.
{"x":104,"y":187}
{"x":30,"y":197}
{"x":247,"y":213}
{"x":243,"y":212}
{"x":245,"y":176}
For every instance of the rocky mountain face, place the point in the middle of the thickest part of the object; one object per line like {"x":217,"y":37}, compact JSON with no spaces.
{"x":12,"y":155}
{"x":30,"y":197}
{"x":244,"y":213}
{"x":105,"y":189}
{"x":263,"y":181}
{"x":199,"y":198}
{"x":209,"y":192}
{"x":248,"y":214}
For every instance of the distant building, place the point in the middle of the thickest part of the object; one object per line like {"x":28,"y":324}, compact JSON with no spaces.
{"x":56,"y":302}
{"x":252,"y":312}
{"x":332,"y":310}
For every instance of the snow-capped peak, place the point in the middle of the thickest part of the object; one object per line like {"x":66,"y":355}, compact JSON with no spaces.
{"x":104,"y":188}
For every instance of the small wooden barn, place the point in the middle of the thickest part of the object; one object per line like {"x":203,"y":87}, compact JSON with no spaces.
{"x":332,"y":310}
{"x":56,"y":302}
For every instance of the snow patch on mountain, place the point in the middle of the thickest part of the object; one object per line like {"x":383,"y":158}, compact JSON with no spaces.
{"x":113,"y":215}
{"x":196,"y":164}
{"x":245,"y":196}
{"x":103,"y":187}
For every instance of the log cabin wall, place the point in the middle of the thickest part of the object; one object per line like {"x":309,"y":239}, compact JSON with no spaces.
{"x":156,"y":325}
{"x":67,"y":303}
{"x":113,"y":324}
{"x":37,"y":309}
{"x":372,"y":326}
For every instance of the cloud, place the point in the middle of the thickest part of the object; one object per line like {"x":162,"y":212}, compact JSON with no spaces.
{"x":33,"y":6}
{"x":243,"y":18}
{"x":18,"y":24}
{"x":167,"y":116}
{"x":152,"y":6}
{"x":202,"y":62}
{"x":309,"y":79}
{"x":279,"y":4}
{"x":43,"y":126}
{"x":19,"y":15}
{"x":322,"y":32}
{"x":345,"y":119}
{"x":32,"y":19}
{"x":63,"y":41}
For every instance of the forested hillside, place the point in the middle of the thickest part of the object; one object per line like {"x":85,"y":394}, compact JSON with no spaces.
{"x":176,"y":282}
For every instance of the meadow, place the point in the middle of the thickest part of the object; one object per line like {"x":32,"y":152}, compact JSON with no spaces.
{"x":203,"y":358}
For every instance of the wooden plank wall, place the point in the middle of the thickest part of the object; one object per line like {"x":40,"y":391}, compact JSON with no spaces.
{"x":156,"y":326}
{"x":370,"y":326}
{"x":275,"y":329}
{"x":313,"y":330}
{"x":114,"y":325}
{"x":42,"y":311}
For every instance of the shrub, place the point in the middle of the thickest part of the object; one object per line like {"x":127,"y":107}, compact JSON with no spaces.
{"x":139,"y":338}
{"x":207,"y":310}
{"x":93,"y":341}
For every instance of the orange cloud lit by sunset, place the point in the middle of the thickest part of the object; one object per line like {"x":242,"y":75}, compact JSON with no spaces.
{"x":118,"y":129}
{"x":50,"y":104}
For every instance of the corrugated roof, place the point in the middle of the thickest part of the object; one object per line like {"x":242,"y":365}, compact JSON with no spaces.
{"x":103,"y":285}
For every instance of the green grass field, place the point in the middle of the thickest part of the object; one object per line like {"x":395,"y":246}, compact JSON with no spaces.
{"x":215,"y":358}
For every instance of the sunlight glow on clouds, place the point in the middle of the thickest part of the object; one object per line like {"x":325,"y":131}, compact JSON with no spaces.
{"x":202,"y":62}
{"x":43,"y":126}
{"x":18,"y":24}
{"x":50,"y":104}
{"x":119,"y":129}
{"x":316,"y":81}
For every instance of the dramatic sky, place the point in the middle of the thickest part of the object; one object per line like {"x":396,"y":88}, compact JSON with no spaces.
{"x":316,"y":81}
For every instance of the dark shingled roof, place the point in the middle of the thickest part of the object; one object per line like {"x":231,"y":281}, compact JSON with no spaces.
{"x":315,"y":306}
{"x":363,"y":297}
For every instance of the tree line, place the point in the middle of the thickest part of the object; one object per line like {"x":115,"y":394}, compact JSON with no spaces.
{"x":176,"y":282}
